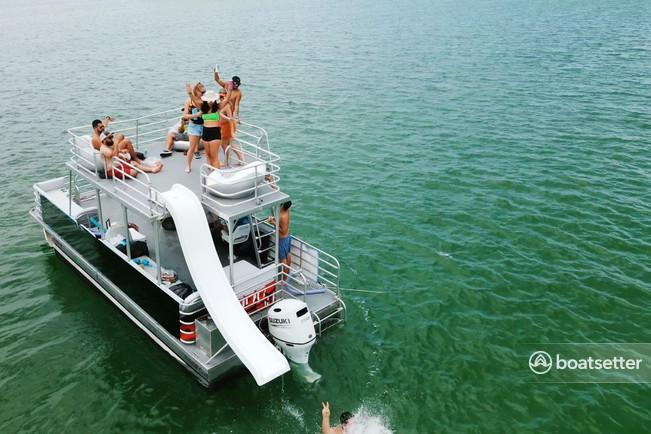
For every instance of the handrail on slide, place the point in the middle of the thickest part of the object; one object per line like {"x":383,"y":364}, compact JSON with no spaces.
{"x":259,"y":356}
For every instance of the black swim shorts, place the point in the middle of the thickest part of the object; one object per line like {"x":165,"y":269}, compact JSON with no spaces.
{"x":211,"y":133}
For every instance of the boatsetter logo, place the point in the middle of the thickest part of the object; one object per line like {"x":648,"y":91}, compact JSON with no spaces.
{"x":540,"y":362}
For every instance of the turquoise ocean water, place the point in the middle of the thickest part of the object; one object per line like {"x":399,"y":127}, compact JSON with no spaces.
{"x":484,"y":164}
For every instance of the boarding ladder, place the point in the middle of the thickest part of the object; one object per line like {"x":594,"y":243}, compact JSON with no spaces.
{"x":262,"y":252}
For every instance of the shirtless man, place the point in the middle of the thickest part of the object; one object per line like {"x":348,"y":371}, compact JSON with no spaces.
{"x":284,"y":254}
{"x":236,"y":95}
{"x":325,"y":422}
{"x":99,"y":127}
{"x":109,"y":150}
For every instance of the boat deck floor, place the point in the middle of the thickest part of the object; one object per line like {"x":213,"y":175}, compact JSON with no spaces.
{"x":173,"y":172}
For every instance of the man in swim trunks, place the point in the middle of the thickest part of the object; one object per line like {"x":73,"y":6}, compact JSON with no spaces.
{"x":284,"y":250}
{"x":109,"y":150}
{"x":100,"y":126}
{"x":325,"y":422}
{"x":236,"y":95}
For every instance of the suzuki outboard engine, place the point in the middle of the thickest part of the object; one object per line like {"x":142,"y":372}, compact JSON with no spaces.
{"x":291,"y":326}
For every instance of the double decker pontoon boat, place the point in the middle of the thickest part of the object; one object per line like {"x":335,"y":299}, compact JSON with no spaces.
{"x":191,"y":258}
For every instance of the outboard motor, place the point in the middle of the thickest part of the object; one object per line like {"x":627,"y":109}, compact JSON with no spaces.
{"x":291,"y":326}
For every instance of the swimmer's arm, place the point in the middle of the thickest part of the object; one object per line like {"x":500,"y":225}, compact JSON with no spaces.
{"x":325,"y":421}
{"x":325,"y":426}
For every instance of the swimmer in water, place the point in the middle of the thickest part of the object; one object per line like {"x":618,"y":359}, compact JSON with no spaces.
{"x":325,"y":423}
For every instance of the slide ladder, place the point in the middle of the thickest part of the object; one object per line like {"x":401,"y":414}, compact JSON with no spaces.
{"x":255,"y":351}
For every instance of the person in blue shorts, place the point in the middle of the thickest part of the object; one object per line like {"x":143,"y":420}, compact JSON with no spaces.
{"x":284,"y":250}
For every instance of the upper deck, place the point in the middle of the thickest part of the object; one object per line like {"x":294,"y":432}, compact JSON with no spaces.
{"x":241,"y":189}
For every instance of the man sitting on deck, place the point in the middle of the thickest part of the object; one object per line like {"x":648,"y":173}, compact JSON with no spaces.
{"x":109,"y":150}
{"x":120,"y":140}
{"x":178,"y":132}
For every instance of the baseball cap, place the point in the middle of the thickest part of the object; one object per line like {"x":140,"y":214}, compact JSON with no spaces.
{"x":105,"y":135}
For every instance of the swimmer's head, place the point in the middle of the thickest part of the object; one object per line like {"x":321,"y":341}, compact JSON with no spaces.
{"x":236,"y":82}
{"x":345,"y":417}
{"x":287,"y":204}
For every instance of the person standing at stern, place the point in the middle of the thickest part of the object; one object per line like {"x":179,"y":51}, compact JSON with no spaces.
{"x":285,"y":244}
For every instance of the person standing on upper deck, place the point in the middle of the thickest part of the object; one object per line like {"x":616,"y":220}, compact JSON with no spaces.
{"x":228,"y":126}
{"x":285,"y":243}
{"x":236,"y":95}
{"x":192,"y":110}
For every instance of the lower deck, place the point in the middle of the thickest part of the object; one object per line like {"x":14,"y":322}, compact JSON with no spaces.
{"x":151,"y":302}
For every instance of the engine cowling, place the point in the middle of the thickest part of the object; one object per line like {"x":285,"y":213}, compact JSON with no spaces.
{"x":291,"y":327}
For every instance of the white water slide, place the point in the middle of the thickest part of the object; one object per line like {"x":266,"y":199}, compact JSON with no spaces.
{"x":259,"y":356}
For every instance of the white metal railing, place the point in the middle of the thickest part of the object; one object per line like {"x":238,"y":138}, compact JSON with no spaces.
{"x":323,"y":265}
{"x":82,"y":190}
{"x":153,"y":126}
{"x":250,"y":140}
{"x":265,"y":174}
{"x":250,"y":135}
{"x":259,"y":297}
{"x":86,"y":160}
{"x":138,"y":193}
{"x":147,"y":125}
{"x":84,"y":157}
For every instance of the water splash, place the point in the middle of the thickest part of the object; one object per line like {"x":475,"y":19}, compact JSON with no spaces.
{"x":294,"y":412}
{"x":365,"y":422}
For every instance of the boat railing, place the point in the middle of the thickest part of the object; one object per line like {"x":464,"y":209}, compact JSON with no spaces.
{"x":259,"y":297}
{"x":256,"y":296}
{"x":138,"y":193}
{"x":150,"y":128}
{"x":252,"y":183}
{"x":84,"y":157}
{"x":251,"y":141}
{"x":318,"y":265}
{"x":214,"y":200}
{"x":251,"y":135}
{"x":142,"y":130}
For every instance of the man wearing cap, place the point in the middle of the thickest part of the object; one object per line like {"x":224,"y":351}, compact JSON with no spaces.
{"x":122,"y":142}
{"x":108,"y":150}
{"x":236,"y":95}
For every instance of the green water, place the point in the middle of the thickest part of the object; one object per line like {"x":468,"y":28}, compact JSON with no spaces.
{"x":484,"y":164}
